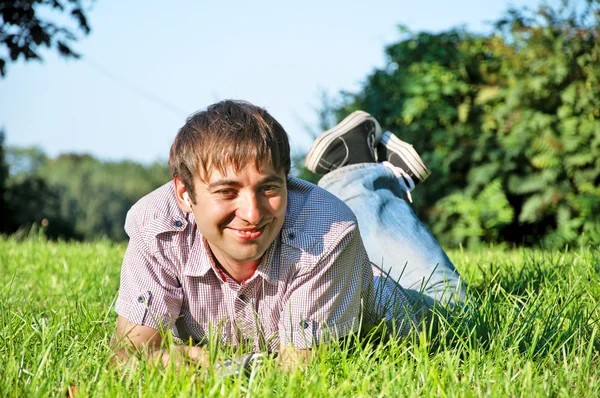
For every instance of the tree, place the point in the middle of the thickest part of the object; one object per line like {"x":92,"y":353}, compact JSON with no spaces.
{"x":32,"y":202}
{"x":23,"y":31}
{"x":94,"y":195}
{"x":76,"y":196}
{"x":4,"y":213}
{"x":508,"y":122}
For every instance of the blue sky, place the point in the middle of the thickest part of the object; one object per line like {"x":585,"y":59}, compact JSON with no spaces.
{"x":147,"y":66}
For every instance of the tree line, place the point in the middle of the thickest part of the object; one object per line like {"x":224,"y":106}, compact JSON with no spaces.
{"x":72,"y":196}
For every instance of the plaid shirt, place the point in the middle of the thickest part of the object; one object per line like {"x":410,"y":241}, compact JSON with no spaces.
{"x":315,"y":282}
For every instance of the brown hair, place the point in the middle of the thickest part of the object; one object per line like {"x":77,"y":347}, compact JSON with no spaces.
{"x":228,"y":133}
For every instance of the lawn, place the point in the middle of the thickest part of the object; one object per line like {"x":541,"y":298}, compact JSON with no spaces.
{"x":531,"y":329}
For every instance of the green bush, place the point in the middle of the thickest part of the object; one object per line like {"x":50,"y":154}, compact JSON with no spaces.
{"x":509,"y":123}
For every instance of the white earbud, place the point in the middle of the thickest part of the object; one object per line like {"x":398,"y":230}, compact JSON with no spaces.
{"x":186,"y":199}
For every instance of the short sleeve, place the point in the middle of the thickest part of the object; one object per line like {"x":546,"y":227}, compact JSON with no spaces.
{"x":324,"y":300}
{"x":150,"y":293}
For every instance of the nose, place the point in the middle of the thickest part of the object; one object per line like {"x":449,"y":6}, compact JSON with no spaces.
{"x":250,"y":209}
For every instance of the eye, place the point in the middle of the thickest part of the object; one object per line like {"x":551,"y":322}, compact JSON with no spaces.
{"x":226,"y":193}
{"x":270,"y":189}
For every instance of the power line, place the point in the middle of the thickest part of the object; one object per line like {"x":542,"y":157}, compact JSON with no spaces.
{"x":135,"y":88}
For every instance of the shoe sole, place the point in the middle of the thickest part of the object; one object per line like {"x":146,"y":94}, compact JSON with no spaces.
{"x":325,"y":139}
{"x":408,"y":154}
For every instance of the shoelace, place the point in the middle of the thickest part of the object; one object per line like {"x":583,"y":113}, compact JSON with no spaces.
{"x":406,"y":181}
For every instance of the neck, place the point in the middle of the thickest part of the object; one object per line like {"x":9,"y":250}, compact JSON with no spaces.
{"x":238,"y":271}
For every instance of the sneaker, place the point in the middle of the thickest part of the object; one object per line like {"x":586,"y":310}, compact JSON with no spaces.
{"x":401,"y":154}
{"x":351,"y":141}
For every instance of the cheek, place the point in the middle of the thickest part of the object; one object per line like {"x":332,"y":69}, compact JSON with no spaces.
{"x":278,"y":205}
{"x":212,"y":214}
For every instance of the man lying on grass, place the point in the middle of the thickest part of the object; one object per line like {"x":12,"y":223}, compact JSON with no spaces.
{"x":237,"y":248}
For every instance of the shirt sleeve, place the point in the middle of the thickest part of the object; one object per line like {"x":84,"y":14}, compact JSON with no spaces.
{"x":324,"y":300}
{"x":390,"y":303}
{"x":150,"y":293}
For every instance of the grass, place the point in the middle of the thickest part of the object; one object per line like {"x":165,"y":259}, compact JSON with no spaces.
{"x":531,"y":329}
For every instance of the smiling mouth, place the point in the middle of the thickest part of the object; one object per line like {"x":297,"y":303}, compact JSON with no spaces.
{"x":248,"y":234}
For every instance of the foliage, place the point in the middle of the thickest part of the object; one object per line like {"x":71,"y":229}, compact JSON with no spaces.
{"x":4,"y":213}
{"x":509,"y":123}
{"x":32,"y":203}
{"x":23,"y":31}
{"x":76,"y":196}
{"x":531,"y":329}
{"x":97,"y":195}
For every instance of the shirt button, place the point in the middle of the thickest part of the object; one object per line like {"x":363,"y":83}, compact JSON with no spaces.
{"x":291,"y":235}
{"x":178,"y":223}
{"x":141,"y":299}
{"x":305,"y":324}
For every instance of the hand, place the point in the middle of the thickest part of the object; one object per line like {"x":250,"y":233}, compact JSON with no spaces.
{"x":237,"y":365}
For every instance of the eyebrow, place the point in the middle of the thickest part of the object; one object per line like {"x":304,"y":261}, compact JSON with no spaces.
{"x":235,"y":183}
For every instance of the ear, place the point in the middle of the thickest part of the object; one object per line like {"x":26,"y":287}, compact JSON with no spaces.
{"x":182,"y":196}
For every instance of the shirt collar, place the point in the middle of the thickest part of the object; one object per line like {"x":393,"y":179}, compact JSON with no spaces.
{"x":267,"y":269}
{"x":200,"y":260}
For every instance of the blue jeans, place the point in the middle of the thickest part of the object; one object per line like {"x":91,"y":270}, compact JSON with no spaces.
{"x":395,"y":239}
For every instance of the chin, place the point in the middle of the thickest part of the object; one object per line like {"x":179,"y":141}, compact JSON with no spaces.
{"x":251,"y":256}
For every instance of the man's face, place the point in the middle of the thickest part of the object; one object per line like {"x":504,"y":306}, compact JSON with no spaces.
{"x":241,"y":213}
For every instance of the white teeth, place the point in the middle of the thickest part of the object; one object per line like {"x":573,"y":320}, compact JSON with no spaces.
{"x":246,"y":233}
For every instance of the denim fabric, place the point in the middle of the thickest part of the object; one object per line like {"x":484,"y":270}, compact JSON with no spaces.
{"x":395,"y":239}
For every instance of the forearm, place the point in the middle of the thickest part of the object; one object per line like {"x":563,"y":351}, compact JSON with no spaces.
{"x":177,"y":354}
{"x":133,"y":342}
